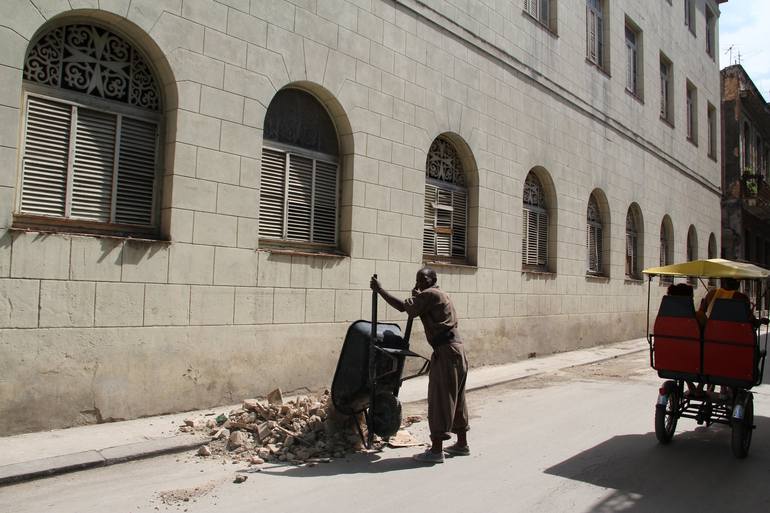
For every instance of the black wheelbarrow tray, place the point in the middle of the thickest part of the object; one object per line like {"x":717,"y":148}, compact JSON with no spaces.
{"x":369,"y":374}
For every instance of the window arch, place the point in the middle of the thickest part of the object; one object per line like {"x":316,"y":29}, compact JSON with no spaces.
{"x":634,"y":242}
{"x":534,"y":241}
{"x":445,"y":227}
{"x":594,"y":237}
{"x":91,"y":136}
{"x":712,"y":246}
{"x":666,"y":245}
{"x":300,"y":172}
{"x":692,"y":249}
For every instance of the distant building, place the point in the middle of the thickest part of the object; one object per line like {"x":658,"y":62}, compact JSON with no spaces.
{"x":745,"y":165}
{"x":195,"y":193}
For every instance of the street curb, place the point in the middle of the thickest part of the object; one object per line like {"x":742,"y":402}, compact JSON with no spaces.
{"x":540,"y":373}
{"x":46,"y":467}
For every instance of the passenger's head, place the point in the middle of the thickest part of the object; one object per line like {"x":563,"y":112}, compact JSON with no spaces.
{"x":680,"y":289}
{"x":730,"y":284}
{"x":426,"y":278}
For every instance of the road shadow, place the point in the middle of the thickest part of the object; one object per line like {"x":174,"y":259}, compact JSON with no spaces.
{"x":695,"y":472}
{"x":360,"y":463}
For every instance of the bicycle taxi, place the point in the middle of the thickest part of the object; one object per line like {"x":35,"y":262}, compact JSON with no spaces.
{"x":725,"y":352}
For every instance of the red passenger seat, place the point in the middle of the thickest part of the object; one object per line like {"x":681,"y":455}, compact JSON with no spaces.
{"x":677,"y":339}
{"x":730,"y":351}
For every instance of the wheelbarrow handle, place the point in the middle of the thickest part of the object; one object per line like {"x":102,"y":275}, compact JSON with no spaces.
{"x":372,"y":371}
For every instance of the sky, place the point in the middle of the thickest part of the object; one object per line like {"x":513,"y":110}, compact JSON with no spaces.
{"x":743,"y":24}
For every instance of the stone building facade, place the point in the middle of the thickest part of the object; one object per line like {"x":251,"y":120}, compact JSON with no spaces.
{"x":196,"y":192}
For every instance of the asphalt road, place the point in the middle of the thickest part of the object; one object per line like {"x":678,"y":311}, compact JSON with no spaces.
{"x":579,"y":440}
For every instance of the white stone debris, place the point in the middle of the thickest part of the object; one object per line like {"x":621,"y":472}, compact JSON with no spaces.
{"x":303,"y":430}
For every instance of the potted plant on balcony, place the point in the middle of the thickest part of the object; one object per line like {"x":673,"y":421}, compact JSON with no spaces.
{"x":750,"y":181}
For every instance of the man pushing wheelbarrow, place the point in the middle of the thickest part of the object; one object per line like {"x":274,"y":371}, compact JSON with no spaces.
{"x":447,"y":411}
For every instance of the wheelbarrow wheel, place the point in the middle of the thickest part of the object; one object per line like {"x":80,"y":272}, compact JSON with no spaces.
{"x":386,"y":416}
{"x":666,"y":415}
{"x":742,"y":429}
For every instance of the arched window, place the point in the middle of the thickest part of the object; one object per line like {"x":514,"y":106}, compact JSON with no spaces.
{"x":633,"y":243}
{"x":299,"y":181}
{"x":446,"y":203}
{"x":692,"y":250}
{"x":534,"y":241}
{"x":92,"y":114}
{"x":666,"y":245}
{"x":594,"y":237}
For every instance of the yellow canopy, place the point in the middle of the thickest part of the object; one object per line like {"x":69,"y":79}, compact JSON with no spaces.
{"x":712,"y":268}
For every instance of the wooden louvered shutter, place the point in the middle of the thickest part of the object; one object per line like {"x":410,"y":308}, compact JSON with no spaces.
{"x":459,"y":222}
{"x":630,"y":254}
{"x":325,"y":203}
{"x":428,"y":231}
{"x":529,"y":237}
{"x":135,"y":191}
{"x":272,"y":193}
{"x":46,"y":157}
{"x":443,"y":227}
{"x":299,"y":202}
{"x":93,"y":165}
{"x":594,"y":253}
{"x":542,"y":239}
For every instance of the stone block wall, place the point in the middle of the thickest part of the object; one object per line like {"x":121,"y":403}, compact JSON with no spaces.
{"x":98,"y":328}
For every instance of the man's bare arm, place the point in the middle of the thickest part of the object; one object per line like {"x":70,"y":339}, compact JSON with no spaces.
{"x":387,"y":296}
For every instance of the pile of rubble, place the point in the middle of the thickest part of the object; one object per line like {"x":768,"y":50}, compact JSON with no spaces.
{"x":304,"y":430}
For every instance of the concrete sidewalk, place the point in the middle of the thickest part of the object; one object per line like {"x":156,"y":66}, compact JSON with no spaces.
{"x":34,"y":455}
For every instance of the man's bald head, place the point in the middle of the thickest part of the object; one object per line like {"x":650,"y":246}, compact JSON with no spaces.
{"x":426,"y":278}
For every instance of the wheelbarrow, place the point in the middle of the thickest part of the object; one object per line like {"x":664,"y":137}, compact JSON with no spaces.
{"x":369,"y":374}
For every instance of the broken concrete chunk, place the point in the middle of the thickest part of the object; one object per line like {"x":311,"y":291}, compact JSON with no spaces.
{"x":275,"y":397}
{"x":204,"y":450}
{"x":252,"y":405}
{"x":240,"y":478}
{"x":237,"y":439}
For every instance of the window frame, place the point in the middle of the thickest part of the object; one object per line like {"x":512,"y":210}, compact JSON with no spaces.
{"x":454,"y":190}
{"x":597,"y":227}
{"x":710,"y":33}
{"x":689,"y":15}
{"x":78,"y":100}
{"x":711,"y":115}
{"x":666,"y":250}
{"x":634,"y":60}
{"x":666,"y":86}
{"x":289,"y":150}
{"x":632,"y":247}
{"x":692,"y":250}
{"x":543,"y":12}
{"x":153,"y":113}
{"x":691,"y":112}
{"x":597,"y":49}
{"x":746,"y":153}
{"x":540,"y":237}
